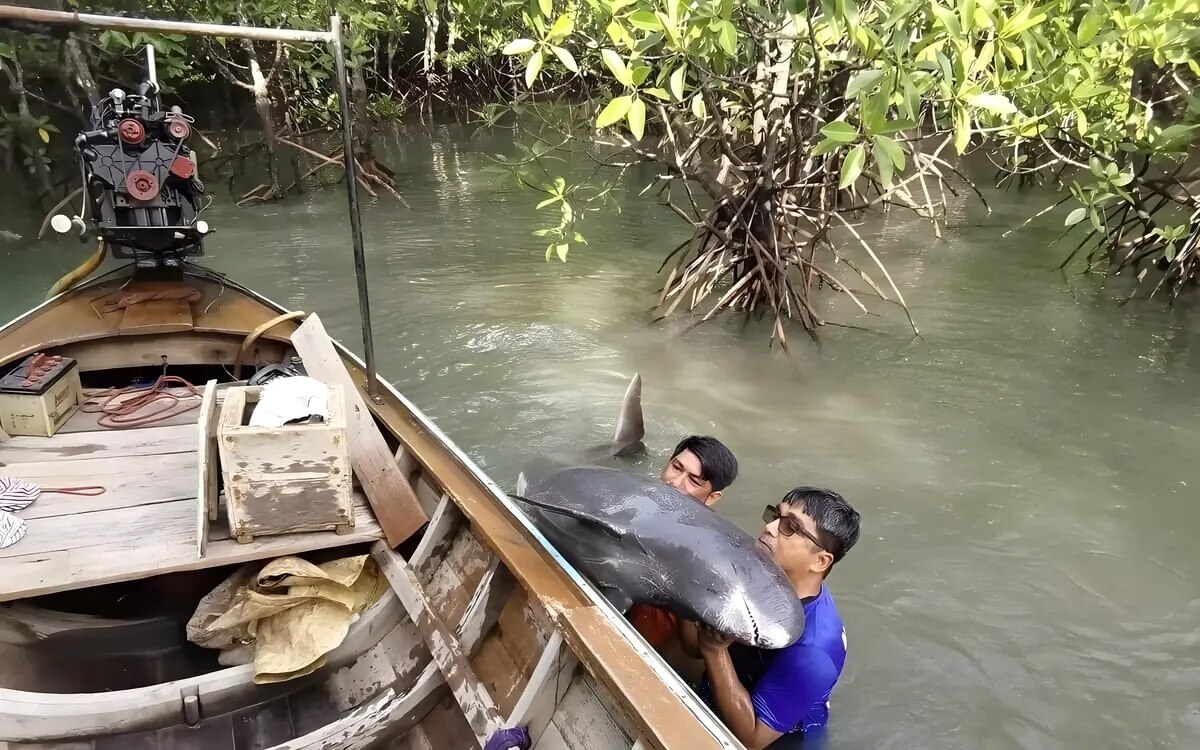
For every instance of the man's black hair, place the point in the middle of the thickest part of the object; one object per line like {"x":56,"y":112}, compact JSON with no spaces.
{"x":837,"y":522}
{"x":717,"y":463}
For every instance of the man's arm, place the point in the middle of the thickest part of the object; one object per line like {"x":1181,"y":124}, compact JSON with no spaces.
{"x":734,"y":704}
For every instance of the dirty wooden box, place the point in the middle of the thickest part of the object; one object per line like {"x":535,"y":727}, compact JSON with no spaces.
{"x":285,"y":479}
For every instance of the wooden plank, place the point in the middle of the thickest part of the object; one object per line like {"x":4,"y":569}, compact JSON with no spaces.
{"x":585,"y":721}
{"x":382,"y":717}
{"x":27,"y":716}
{"x":190,"y":348}
{"x":450,"y":655}
{"x":492,"y":592}
{"x":207,"y":458}
{"x":91,"y":549}
{"x":128,"y":482}
{"x":145,"y":441}
{"x":664,"y":720}
{"x":545,"y":690}
{"x":408,"y":466}
{"x":435,"y":542}
{"x":553,"y":740}
{"x":390,"y":495}
{"x":156,"y":316}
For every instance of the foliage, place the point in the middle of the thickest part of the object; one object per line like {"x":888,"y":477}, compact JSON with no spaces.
{"x":797,"y":118}
{"x":777,"y":126}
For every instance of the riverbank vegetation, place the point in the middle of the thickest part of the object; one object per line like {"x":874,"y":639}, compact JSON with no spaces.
{"x":776,"y":126}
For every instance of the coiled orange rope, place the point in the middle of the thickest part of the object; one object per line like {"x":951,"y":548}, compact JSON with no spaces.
{"x":123,"y":413}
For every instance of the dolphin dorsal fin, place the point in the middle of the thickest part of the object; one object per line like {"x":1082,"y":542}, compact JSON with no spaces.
{"x":631,"y":427}
{"x":599,"y":523}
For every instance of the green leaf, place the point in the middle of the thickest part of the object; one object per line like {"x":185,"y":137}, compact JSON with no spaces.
{"x":660,"y":93}
{"x":617,"y":66}
{"x":637,"y":118}
{"x":646,"y":21}
{"x":677,"y":79}
{"x":1091,"y":24}
{"x":853,"y":166}
{"x":966,"y":14}
{"x":895,"y":126}
{"x":1169,"y":252}
{"x":728,"y":38}
{"x":615,"y":111}
{"x":579,"y":238}
{"x":839,"y":131}
{"x":561,"y":248}
{"x":518,"y":47}
{"x":562,"y":28}
{"x":698,"y":108}
{"x":639,"y":75}
{"x":566,"y":58}
{"x":547,"y":7}
{"x":962,"y":130}
{"x":543,"y":232}
{"x":895,"y":154}
{"x":826,"y":146}
{"x":948,"y":20}
{"x":43,"y":135}
{"x":996,"y":103}
{"x":673,"y":10}
{"x":533,"y":68}
{"x":864,"y":80}
{"x":885,"y":165}
{"x":552,"y":199}
{"x":1075,"y":217}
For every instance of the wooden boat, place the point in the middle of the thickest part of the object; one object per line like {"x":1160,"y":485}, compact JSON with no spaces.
{"x":483,"y":631}
{"x":488,"y":627}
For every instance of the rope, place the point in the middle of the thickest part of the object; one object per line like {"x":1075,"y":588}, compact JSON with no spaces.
{"x":253,"y":336}
{"x":135,"y":298}
{"x":86,"y":490}
{"x":124,"y":413}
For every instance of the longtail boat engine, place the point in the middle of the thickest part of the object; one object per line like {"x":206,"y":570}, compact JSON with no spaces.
{"x":141,"y":182}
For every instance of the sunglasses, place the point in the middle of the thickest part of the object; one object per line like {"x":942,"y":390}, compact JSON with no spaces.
{"x":788,"y":525}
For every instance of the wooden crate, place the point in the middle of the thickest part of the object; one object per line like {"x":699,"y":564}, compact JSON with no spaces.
{"x":280,"y":480}
{"x":43,"y":406}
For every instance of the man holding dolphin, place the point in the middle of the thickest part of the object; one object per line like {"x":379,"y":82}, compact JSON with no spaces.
{"x":764,"y":694}
{"x":700,"y":467}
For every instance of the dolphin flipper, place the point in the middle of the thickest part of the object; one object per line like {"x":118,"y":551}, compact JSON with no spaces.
{"x":620,"y":600}
{"x":580,"y":516}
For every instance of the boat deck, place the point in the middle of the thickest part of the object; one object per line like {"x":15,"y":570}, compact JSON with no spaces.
{"x":145,"y":524}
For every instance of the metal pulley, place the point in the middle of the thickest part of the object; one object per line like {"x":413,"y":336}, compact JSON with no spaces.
{"x":131,"y":132}
{"x":141,"y":185}
{"x":178,"y":128}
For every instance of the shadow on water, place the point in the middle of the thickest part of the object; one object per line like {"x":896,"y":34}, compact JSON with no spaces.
{"x":1026,"y":573}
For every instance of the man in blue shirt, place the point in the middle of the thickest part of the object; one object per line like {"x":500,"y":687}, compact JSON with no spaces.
{"x":764,"y":694}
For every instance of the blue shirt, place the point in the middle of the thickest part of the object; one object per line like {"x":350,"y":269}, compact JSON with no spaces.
{"x":790,"y":687}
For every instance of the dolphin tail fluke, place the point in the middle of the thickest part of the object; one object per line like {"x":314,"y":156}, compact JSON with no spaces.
{"x":631,"y":427}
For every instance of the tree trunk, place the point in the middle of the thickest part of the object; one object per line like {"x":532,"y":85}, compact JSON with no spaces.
{"x":29,"y":136}
{"x":81,"y":71}
{"x":262,"y":103}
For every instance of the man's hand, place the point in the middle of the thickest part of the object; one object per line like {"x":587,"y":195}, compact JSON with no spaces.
{"x":710,"y":640}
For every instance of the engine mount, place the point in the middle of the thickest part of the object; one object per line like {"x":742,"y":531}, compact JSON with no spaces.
{"x":141,"y":182}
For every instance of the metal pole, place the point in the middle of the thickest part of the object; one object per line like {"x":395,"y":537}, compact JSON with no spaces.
{"x":93,"y":20}
{"x":360,"y":260}
{"x":151,"y":69}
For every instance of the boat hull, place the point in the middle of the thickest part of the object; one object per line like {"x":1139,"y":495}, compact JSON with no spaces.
{"x":479,"y":592}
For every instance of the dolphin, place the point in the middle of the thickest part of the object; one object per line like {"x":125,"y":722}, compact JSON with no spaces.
{"x":641,"y":541}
